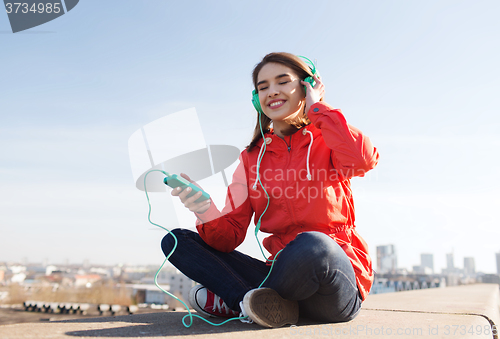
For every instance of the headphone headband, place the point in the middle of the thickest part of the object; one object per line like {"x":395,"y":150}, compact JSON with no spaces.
{"x":309,"y":63}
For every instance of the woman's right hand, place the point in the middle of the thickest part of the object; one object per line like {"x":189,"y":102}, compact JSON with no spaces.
{"x":313,"y":94}
{"x":197,"y":207}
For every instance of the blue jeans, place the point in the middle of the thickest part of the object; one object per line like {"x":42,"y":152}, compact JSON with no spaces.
{"x":312,"y":269}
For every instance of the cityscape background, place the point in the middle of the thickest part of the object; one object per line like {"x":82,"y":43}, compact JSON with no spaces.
{"x":420,"y":78}
{"x":87,"y":288}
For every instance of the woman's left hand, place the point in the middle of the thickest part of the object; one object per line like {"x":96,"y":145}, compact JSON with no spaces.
{"x":313,"y":94}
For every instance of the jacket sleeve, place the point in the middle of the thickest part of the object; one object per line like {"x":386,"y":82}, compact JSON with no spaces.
{"x":226,"y":230}
{"x":352,"y":153}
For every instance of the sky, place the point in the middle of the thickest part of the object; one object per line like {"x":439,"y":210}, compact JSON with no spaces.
{"x":420,"y":78}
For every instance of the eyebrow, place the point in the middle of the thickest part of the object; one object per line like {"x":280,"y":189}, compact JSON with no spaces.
{"x":277,"y":77}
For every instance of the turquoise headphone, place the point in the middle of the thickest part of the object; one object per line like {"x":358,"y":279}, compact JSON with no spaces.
{"x":255,"y":95}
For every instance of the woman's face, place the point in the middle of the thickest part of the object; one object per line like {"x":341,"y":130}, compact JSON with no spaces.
{"x":281,"y":94}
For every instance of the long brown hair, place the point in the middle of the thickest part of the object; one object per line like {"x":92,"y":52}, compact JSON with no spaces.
{"x":302,"y":70}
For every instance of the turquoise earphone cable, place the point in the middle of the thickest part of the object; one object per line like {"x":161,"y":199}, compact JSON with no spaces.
{"x":257,"y":226}
{"x":190,"y":315}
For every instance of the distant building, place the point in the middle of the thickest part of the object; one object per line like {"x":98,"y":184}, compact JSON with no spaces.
{"x":451,"y":272}
{"x":18,"y":273}
{"x":134,"y":274}
{"x":49,"y":269}
{"x":101,"y":271}
{"x":498,"y":262}
{"x":427,"y":261}
{"x":469,"y":266}
{"x":16,"y":269}
{"x":117,"y":271}
{"x":179,"y":285}
{"x":491,"y":279}
{"x":18,"y":278}
{"x":86,"y":280}
{"x":422,"y":270}
{"x":450,"y":265}
{"x":155,"y":296}
{"x":149,"y":293}
{"x":386,"y":259}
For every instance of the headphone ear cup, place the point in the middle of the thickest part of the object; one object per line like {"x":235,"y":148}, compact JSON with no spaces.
{"x":256,"y":101}
{"x":311,"y":81}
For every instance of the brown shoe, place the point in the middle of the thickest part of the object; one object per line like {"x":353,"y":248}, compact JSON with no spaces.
{"x":266,"y":308}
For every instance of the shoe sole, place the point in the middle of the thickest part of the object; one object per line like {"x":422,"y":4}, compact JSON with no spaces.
{"x":266,"y":308}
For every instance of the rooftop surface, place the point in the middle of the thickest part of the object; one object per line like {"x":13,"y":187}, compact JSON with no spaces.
{"x":454,"y":312}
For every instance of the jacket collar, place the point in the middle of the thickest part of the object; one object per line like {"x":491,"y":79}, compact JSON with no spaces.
{"x":274,"y":144}
{"x":299,"y":139}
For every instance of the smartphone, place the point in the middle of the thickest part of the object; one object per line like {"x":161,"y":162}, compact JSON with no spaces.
{"x":178,"y":181}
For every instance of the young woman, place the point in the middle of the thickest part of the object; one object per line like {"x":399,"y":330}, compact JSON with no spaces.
{"x":295,"y":183}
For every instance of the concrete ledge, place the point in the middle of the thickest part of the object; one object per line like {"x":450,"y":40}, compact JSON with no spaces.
{"x":478,"y":299}
{"x":453,"y":312}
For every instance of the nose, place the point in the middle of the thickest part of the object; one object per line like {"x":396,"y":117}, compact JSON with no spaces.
{"x":273,"y":91}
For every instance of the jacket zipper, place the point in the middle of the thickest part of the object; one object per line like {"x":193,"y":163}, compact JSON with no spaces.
{"x":287,"y":145}
{"x":289,"y":204}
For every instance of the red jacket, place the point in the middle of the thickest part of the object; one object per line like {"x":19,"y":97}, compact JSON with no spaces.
{"x":335,"y":153}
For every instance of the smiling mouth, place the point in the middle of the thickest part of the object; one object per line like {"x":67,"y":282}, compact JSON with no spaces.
{"x":276,"y":104}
